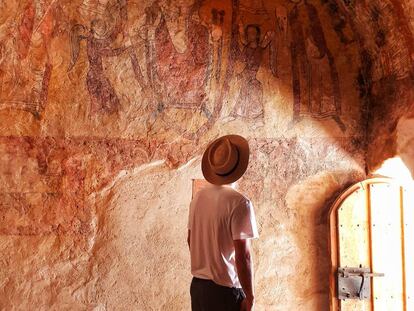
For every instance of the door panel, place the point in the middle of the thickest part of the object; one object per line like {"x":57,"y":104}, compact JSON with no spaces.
{"x":386,"y":246}
{"x":408,"y":221}
{"x":372,"y":226}
{"x":353,"y":230}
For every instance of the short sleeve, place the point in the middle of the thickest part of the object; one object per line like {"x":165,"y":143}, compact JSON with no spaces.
{"x":243,"y":221}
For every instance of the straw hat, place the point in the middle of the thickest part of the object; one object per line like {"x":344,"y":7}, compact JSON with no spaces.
{"x":225,"y":160}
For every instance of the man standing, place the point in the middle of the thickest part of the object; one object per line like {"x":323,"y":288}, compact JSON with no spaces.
{"x":221,"y":224}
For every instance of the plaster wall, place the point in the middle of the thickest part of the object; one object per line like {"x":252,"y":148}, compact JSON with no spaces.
{"x":106,"y":108}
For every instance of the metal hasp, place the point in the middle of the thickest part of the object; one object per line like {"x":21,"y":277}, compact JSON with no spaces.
{"x":355,"y":283}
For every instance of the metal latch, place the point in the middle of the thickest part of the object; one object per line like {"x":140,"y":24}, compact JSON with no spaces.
{"x":355,"y":283}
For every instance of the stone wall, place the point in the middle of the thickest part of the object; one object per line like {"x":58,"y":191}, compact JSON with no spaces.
{"x":389,"y":86}
{"x":107,"y":106}
{"x":390,"y":133}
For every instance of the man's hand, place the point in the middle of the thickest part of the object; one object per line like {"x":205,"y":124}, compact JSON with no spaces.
{"x":247,"y":304}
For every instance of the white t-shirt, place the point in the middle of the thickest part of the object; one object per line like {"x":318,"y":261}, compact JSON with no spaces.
{"x":218,"y":215}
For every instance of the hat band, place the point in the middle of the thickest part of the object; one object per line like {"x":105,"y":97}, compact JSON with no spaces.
{"x":234,"y":167}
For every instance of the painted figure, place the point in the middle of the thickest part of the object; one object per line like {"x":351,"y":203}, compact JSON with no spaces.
{"x":178,"y":56}
{"x":250,"y":99}
{"x":184,"y":61}
{"x":152,"y":21}
{"x":103,"y":95}
{"x":216,"y":32}
{"x":314,"y":75}
{"x":25,"y":69}
{"x":249,"y":44}
{"x":182,"y":76}
{"x":339,"y":22}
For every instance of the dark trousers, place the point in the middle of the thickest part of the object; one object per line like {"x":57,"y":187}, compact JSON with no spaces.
{"x":209,"y":296}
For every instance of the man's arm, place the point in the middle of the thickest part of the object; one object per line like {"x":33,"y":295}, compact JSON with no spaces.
{"x":244,"y":265}
{"x":188,"y":237}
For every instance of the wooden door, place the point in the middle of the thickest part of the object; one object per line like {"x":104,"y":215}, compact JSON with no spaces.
{"x":372,"y":226}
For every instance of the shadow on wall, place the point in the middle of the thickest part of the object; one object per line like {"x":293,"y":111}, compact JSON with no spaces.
{"x":391,"y":120}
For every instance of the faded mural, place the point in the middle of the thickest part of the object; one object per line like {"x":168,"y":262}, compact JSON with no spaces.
{"x":107,"y":105}
{"x":183,"y":57}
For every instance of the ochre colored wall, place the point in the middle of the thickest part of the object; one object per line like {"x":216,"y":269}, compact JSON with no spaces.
{"x":389,"y":93}
{"x":107,"y":106}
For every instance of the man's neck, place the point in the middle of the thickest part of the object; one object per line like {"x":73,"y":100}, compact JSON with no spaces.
{"x":232,"y":185}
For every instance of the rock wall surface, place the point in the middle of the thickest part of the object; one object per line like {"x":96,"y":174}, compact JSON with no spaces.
{"x":389,"y":85}
{"x":107,"y":106}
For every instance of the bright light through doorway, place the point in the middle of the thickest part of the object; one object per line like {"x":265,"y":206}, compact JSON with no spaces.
{"x":395,"y":168}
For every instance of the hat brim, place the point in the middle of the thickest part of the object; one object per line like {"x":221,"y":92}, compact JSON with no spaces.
{"x":243,"y":148}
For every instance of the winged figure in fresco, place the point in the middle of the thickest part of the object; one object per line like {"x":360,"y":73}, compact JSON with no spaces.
{"x":249,"y":46}
{"x":99,"y":45}
{"x":250,"y":102}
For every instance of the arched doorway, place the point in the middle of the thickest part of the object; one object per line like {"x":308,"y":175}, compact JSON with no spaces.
{"x":372,"y":247}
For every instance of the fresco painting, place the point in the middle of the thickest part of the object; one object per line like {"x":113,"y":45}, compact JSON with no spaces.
{"x":107,"y":106}
{"x":189,"y":60}
{"x":187,"y":56}
{"x":25,"y":69}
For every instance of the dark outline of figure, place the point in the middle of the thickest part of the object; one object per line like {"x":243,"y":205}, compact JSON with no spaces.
{"x":44,"y":90}
{"x":252,"y":58}
{"x":218,"y":20}
{"x":250,"y":85}
{"x":103,"y":95}
{"x":38,"y":97}
{"x":25,"y":30}
{"x":338,"y":21}
{"x":151,"y":15}
{"x":300,"y":59}
{"x":162,"y":38}
{"x":281,"y":38}
{"x":195,"y":52}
